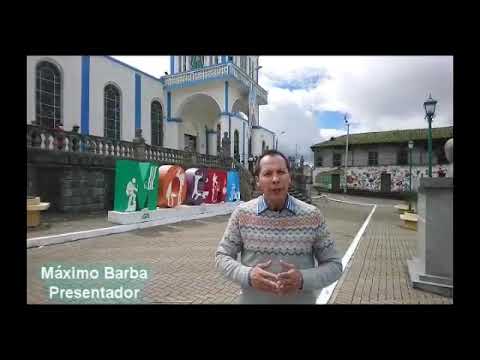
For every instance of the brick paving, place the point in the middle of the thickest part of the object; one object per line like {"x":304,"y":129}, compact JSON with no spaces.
{"x":377,"y":272}
{"x":181,"y":258}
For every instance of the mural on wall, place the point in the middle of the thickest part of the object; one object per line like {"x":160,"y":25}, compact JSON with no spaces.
{"x":196,"y":192}
{"x":216,"y":186}
{"x":172,"y":190}
{"x":233,"y":186}
{"x":369,"y":178}
{"x":136,"y":185}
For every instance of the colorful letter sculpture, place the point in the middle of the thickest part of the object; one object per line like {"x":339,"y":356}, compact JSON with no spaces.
{"x":136,"y":186}
{"x":233,"y":186}
{"x":127,"y":176}
{"x":144,"y":185}
{"x":148,"y":197}
{"x":172,"y":190}
{"x":216,"y":185}
{"x":196,"y":193}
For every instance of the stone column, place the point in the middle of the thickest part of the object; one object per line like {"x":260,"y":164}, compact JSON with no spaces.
{"x":449,"y":156}
{"x":432,"y":268}
{"x":212,"y":143}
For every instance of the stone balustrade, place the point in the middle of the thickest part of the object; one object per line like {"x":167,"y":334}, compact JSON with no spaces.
{"x":76,"y":172}
{"x":60,"y":141}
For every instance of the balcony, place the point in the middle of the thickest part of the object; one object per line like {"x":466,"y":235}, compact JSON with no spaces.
{"x":214,"y":73}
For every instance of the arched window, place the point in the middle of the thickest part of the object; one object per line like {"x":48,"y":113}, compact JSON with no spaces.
{"x":263,"y":147}
{"x":219,"y":138}
{"x":48,"y":95}
{"x":111,"y":101}
{"x":157,"y":123}
{"x":236,"y":145}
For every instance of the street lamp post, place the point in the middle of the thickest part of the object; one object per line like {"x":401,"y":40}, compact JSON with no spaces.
{"x":410,"y":148}
{"x":429,"y":105}
{"x":346,"y":153}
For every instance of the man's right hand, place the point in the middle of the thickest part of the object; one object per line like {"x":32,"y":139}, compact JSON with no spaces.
{"x":263,"y":280}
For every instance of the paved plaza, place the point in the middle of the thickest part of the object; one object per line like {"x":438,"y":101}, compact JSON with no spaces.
{"x":180,"y":256}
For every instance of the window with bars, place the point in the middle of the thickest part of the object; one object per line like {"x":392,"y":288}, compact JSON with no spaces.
{"x":48,"y":95}
{"x":318,"y":161}
{"x":372,"y":158}
{"x":440,"y":152}
{"x":157,"y":123}
{"x":111,"y":101}
{"x":337,"y":159}
{"x":402,"y":157}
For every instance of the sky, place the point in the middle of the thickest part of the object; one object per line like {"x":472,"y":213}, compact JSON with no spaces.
{"x":308,"y":96}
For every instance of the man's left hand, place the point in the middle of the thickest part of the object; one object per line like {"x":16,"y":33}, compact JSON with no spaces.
{"x":289,"y":280}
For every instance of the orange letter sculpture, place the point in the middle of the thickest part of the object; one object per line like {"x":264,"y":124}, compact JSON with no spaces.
{"x":172,"y":189}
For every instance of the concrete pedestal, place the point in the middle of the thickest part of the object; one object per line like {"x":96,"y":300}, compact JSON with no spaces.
{"x":34,"y":206}
{"x":432,"y":269}
{"x":179,"y":213}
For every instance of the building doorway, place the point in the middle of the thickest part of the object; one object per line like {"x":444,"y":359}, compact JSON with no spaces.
{"x":335,"y":183}
{"x":385,"y":182}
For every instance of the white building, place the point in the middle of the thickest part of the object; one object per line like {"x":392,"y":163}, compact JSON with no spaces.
{"x":202,"y":98}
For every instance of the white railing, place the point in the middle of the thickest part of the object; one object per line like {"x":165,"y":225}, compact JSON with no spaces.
{"x":198,"y":74}
{"x":215,"y":72}
{"x":241,"y":76}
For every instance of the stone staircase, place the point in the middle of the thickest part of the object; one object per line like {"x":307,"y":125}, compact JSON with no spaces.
{"x":299,"y":194}
{"x":292,"y":190}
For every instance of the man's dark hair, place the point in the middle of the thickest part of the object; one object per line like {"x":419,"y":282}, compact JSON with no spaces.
{"x":271,"y":153}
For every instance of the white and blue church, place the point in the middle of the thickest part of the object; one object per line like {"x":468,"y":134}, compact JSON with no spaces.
{"x":192,"y":107}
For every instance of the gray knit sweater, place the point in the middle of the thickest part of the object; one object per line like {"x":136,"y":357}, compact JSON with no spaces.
{"x":297,"y":234}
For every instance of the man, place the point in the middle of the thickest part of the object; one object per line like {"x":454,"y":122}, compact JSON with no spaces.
{"x":278,"y":238}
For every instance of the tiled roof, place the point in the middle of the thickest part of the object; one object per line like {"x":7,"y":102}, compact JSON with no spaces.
{"x":384,"y":137}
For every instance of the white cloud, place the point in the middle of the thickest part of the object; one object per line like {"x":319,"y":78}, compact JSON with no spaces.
{"x":379,"y":92}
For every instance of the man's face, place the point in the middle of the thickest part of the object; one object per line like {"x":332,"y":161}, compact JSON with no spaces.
{"x":273,"y":179}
